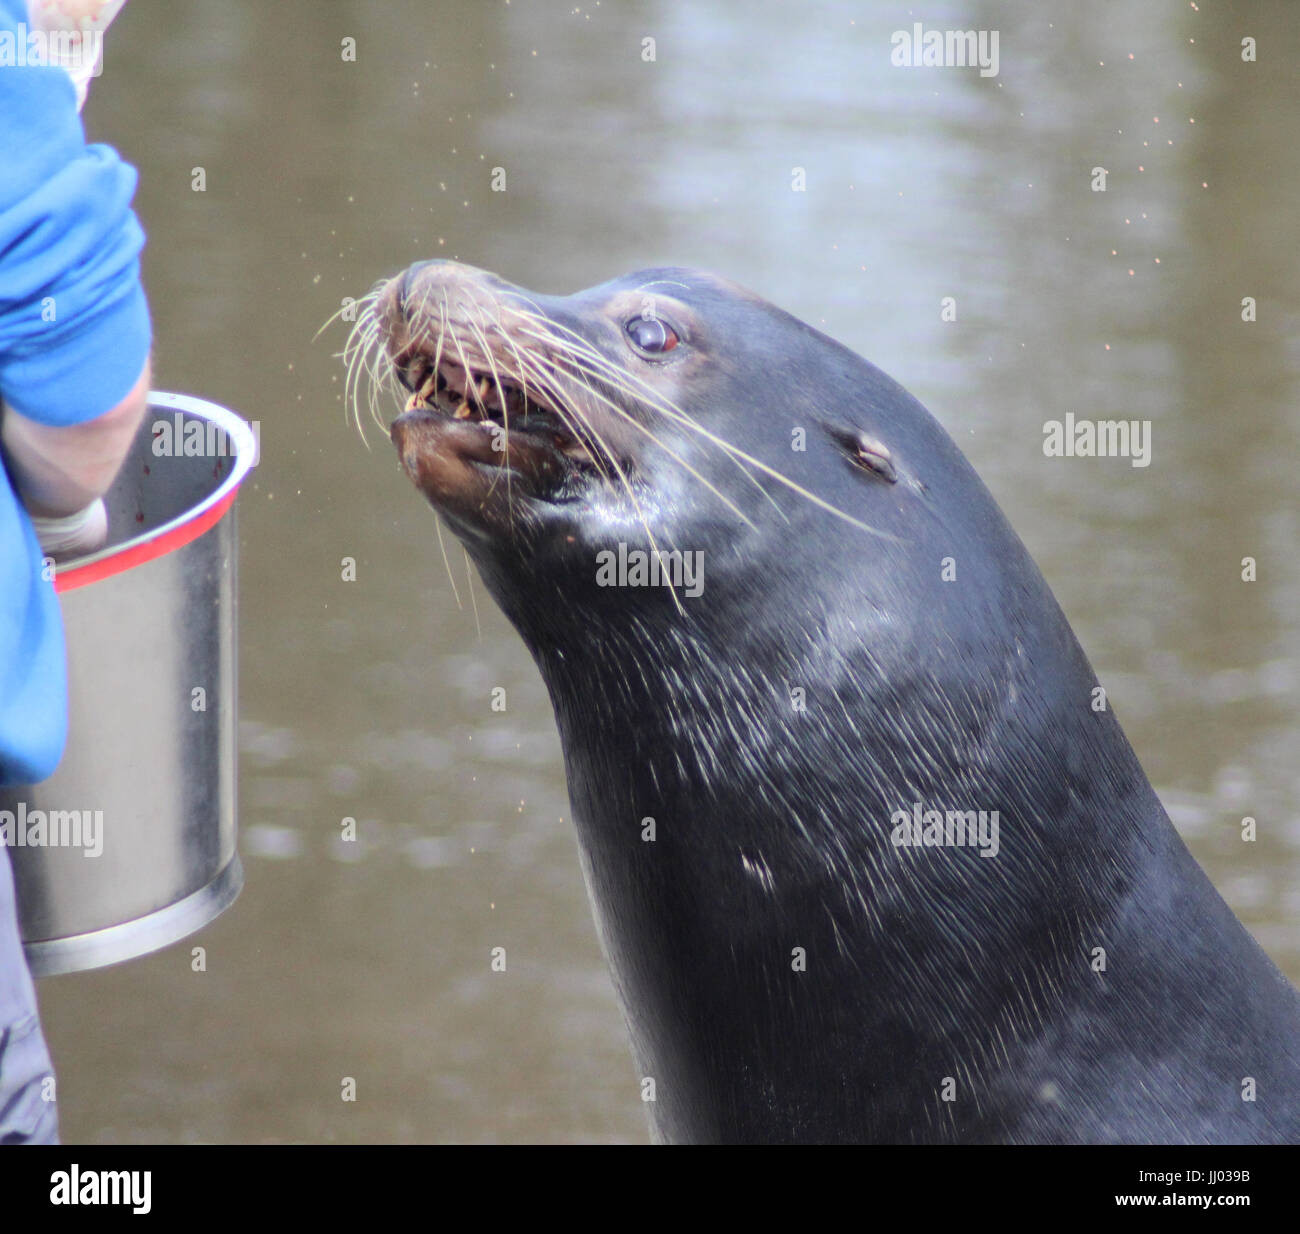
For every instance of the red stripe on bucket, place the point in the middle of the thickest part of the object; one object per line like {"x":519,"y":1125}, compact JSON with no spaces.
{"x":137,"y":555}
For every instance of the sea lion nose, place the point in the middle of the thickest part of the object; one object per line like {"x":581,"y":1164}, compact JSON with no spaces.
{"x":441,"y":272}
{"x":425,"y":285}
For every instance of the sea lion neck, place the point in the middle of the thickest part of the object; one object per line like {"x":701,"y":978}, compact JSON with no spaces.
{"x":741,"y":855}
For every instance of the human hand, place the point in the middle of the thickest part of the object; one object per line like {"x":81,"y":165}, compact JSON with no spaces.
{"x":73,"y":534}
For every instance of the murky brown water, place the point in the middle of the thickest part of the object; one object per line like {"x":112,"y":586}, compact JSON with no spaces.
{"x":370,"y":699}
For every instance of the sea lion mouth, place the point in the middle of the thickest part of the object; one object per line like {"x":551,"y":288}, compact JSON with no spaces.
{"x":487,"y":423}
{"x":464,"y":395}
{"x":505,"y":414}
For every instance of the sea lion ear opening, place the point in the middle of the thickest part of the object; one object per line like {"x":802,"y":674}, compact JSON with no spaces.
{"x":865,"y":452}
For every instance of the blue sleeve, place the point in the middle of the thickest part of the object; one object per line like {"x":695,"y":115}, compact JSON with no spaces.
{"x":74,"y":323}
{"x":74,"y":336}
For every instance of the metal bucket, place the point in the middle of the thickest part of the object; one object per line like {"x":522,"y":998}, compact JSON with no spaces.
{"x":139,"y":818}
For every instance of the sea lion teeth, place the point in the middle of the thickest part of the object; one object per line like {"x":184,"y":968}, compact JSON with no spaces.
{"x":416,"y":403}
{"x":464,"y":411}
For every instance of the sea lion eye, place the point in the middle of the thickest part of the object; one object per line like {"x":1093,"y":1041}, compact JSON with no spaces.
{"x":652,"y":334}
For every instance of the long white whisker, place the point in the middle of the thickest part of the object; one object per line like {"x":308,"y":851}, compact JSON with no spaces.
{"x":656,"y":401}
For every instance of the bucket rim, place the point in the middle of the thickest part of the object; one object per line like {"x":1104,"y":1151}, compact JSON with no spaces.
{"x":176,"y":532}
{"x":140,"y":936}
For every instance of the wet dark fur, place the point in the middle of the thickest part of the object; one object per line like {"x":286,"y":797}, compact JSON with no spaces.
{"x":971,"y":694}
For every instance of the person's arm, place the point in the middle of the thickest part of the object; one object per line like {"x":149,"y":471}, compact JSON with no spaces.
{"x":74,"y":321}
{"x":59,"y":470}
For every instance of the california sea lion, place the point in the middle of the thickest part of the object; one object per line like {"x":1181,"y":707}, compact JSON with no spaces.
{"x":785,"y":773}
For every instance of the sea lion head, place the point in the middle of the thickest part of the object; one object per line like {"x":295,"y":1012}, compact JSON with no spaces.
{"x":666,"y":412}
